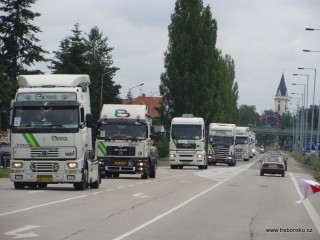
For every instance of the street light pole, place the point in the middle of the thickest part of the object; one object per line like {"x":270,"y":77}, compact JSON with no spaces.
{"x":301,"y":121}
{"x":305,"y":118}
{"x":314,"y":89}
{"x":130,"y":100}
{"x":307,"y":107}
{"x":101,"y":88}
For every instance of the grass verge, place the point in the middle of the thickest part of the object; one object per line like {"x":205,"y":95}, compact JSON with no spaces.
{"x":4,"y":173}
{"x":300,"y":159}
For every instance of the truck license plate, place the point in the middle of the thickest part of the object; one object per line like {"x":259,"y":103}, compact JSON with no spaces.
{"x":44,"y":178}
{"x":120,"y":163}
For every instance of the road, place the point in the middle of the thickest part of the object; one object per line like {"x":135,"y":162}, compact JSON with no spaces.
{"x":221,"y":202}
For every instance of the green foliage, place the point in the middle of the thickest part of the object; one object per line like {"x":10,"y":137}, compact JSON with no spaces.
{"x":248,"y":116}
{"x":162,"y":146}
{"x":197,"y":79}
{"x":92,"y":56}
{"x":4,"y":173}
{"x":17,"y":44}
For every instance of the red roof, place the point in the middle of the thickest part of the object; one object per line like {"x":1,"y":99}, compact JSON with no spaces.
{"x":153,"y":104}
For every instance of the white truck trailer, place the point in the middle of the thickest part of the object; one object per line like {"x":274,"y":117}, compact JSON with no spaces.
{"x":51,"y":140}
{"x":243,"y":142}
{"x":124,"y":144}
{"x":187,"y":142}
{"x":222,"y":144}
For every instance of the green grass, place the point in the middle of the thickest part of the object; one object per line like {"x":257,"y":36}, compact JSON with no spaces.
{"x":4,"y":173}
{"x":300,"y":159}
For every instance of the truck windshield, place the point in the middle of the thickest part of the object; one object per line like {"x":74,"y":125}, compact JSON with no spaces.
{"x":242,"y":140}
{"x":123,"y":131}
{"x":45,"y":119}
{"x":219,"y":140}
{"x":186,"y":131}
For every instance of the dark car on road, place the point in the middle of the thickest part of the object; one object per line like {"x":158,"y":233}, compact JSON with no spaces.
{"x":5,"y":155}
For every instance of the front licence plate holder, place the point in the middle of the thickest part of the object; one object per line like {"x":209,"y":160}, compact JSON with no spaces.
{"x":44,"y":178}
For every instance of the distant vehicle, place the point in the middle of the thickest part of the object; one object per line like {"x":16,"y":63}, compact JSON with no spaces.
{"x":272,"y":164}
{"x":262,"y":150}
{"x":284,"y":156}
{"x":5,"y":155}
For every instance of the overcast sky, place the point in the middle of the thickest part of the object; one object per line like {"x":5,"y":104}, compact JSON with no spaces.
{"x":265,"y":38}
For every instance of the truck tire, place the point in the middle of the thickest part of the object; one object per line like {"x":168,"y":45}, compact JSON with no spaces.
{"x":96,"y":184}
{"x":83,"y":184}
{"x":18,"y":185}
{"x":145,"y":175}
{"x":42,"y":185}
{"x":153,"y":171}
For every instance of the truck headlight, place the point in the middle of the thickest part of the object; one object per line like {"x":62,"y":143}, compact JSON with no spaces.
{"x":72,"y":165}
{"x":17,"y":165}
{"x":199,"y":156}
{"x":172,"y":155}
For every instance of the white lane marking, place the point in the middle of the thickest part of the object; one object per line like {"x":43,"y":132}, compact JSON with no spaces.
{"x":42,"y":205}
{"x":96,"y":192}
{"x":165,"y":213}
{"x":310,"y":209}
{"x":140,"y":195}
{"x":108,"y":190}
{"x":16,"y":233}
{"x":39,"y":191}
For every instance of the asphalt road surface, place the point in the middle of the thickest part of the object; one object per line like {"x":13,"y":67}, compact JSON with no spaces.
{"x":221,"y":202}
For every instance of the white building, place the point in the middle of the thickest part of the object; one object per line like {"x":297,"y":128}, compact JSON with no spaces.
{"x":281,"y":99}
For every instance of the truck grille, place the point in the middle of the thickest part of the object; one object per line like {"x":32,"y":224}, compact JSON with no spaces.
{"x":121,"y":151}
{"x":45,"y":167}
{"x":221,"y":152}
{"x":186,"y":146}
{"x":45,"y":153}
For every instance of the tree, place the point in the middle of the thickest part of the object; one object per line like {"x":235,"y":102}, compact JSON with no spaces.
{"x":71,"y":55}
{"x":17,"y":43}
{"x":92,"y":56}
{"x":101,"y":71}
{"x":190,"y":83}
{"x":248,"y":115}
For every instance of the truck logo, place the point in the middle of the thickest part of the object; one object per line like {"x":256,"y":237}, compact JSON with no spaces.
{"x":121,"y":113}
{"x":55,"y":138}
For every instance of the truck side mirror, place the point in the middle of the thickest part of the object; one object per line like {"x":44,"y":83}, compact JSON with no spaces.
{"x":89,"y":120}
{"x":4,"y":124}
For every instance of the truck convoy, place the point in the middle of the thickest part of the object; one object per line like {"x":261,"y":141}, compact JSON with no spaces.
{"x":222,"y":144}
{"x":51,"y":139}
{"x":243,"y":143}
{"x":187,"y":142}
{"x":124,"y":144}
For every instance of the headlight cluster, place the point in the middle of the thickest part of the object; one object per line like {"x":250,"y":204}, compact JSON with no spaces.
{"x":72,"y":165}
{"x":172,"y":155}
{"x":17,"y":165}
{"x":141,"y":164}
{"x":199,"y":156}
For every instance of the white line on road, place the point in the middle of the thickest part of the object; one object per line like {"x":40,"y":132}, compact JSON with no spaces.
{"x":165,"y":213}
{"x":310,"y":209}
{"x":42,"y":205}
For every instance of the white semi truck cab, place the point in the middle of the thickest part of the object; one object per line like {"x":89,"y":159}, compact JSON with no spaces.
{"x":51,"y":139}
{"x":124,"y":144}
{"x":187,"y":142}
{"x":222,"y":143}
{"x":243,"y":143}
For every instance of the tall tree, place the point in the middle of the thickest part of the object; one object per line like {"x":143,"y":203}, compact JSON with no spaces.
{"x":101,"y":71}
{"x":71,"y":56}
{"x":190,"y":83}
{"x":18,"y":42}
{"x":248,"y":115}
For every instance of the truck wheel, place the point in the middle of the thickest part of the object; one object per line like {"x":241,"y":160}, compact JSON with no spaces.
{"x":96,"y":184}
{"x":173,"y":166}
{"x":83,"y":184}
{"x":109,"y":175}
{"x":181,"y":167}
{"x":18,"y":185}
{"x":115,"y":175}
{"x":153,"y":171}
{"x":145,"y":175}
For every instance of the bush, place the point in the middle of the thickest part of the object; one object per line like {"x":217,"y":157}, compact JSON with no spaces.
{"x":162,"y":146}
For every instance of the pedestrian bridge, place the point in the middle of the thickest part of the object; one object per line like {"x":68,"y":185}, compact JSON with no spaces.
{"x":278,"y":131}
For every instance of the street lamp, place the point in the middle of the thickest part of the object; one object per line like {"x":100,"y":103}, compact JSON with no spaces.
{"x":306,"y":115}
{"x":301,"y":119}
{"x":101,"y":88}
{"x":307,"y":104}
{"x":307,"y":50}
{"x":130,"y":100}
{"x":314,"y":89}
{"x":312,"y":29}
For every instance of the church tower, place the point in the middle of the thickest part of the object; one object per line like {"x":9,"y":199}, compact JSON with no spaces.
{"x":281,"y":99}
